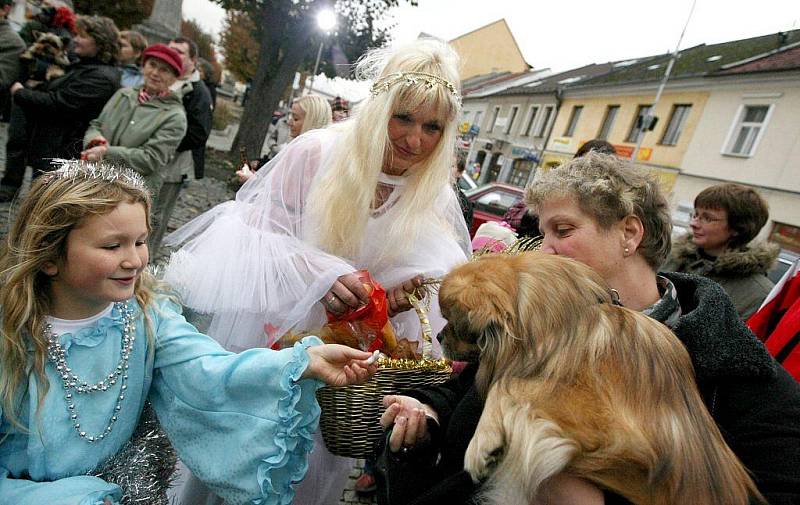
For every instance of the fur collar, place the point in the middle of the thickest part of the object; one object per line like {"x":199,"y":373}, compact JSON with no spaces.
{"x":720,"y":344}
{"x":754,"y":258}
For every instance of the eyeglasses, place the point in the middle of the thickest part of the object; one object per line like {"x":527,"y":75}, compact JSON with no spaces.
{"x":704,"y":218}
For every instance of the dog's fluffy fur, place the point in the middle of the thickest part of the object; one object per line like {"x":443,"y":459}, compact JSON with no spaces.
{"x":574,"y":384}
{"x":50,"y":49}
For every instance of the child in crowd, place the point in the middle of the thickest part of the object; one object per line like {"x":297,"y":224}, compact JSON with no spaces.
{"x":88,"y":336}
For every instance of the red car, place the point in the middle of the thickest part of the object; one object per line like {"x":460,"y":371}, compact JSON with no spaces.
{"x":491,"y":202}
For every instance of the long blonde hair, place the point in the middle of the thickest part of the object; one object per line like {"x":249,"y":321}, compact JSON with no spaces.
{"x":57,"y":202}
{"x":318,"y":112}
{"x":342,"y":199}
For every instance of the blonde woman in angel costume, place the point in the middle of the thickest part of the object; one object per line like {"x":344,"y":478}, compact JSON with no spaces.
{"x":370,"y":193}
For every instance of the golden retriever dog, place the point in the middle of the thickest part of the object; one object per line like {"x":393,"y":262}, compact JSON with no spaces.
{"x":575,"y":384}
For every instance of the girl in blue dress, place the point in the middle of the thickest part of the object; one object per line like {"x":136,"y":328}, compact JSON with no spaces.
{"x":87,"y":336}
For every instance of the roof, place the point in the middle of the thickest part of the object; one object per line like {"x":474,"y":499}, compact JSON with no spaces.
{"x":696,"y":61}
{"x":551,"y":83}
{"x":492,"y":87}
{"x":785,"y":58}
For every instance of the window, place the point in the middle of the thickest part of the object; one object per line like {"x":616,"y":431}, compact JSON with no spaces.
{"x":637,"y":128}
{"x":477,"y":121}
{"x":608,"y":122}
{"x":675,"y":126}
{"x":531,"y":120}
{"x":748,"y":129}
{"x":520,"y":172}
{"x":511,"y":117}
{"x":494,"y":118}
{"x":465,"y":115}
{"x":573,"y":120}
{"x":542,"y":128}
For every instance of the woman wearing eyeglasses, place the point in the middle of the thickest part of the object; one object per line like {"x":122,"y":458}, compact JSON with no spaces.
{"x":720,"y":246}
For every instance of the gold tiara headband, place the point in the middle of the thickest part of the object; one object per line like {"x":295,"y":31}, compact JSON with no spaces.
{"x":77,"y":169}
{"x":412,"y":79}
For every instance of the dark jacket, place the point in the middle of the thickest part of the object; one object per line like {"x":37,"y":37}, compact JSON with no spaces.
{"x":741,"y":272}
{"x":755,"y":403}
{"x":199,"y":111}
{"x":58,"y":115}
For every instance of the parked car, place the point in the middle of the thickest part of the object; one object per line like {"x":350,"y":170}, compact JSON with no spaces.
{"x":491,"y":202}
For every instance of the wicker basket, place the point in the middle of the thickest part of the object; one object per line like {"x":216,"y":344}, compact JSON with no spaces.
{"x":350,"y":414}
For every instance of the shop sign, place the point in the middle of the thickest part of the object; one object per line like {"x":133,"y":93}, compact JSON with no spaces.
{"x":463,"y":127}
{"x":524,"y":153}
{"x":561,"y":144}
{"x":624,"y":151}
{"x":474,"y":129}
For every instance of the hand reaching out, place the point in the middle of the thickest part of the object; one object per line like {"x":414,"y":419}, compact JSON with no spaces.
{"x":347,"y":293}
{"x":398,"y":295}
{"x":408,"y":418}
{"x":338,"y":365}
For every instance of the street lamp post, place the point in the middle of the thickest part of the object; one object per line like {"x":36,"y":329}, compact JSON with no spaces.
{"x":326,"y":21}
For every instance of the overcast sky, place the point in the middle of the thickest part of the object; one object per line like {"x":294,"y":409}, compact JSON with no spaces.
{"x":563,"y":34}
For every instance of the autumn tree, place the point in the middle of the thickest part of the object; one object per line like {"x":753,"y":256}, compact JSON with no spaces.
{"x":239,"y":45}
{"x":125,"y":13}
{"x":287,"y":37}
{"x":205,"y":44}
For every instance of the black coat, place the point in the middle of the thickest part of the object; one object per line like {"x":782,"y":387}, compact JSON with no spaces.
{"x":199,"y":113}
{"x":753,"y":400}
{"x":58,"y":115}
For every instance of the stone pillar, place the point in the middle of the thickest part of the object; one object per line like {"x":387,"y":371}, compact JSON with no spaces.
{"x":164,"y":22}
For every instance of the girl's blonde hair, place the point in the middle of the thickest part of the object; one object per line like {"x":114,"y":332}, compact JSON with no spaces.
{"x":57,"y":202}
{"x":318,"y":112}
{"x":342,"y":200}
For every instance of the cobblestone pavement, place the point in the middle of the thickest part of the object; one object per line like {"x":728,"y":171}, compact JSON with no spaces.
{"x":196,"y":197}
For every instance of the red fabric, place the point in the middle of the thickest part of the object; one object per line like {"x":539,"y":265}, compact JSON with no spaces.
{"x":777,"y":322}
{"x":66,"y":18}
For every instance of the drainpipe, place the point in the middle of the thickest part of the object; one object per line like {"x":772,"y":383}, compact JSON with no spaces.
{"x":550,"y":133}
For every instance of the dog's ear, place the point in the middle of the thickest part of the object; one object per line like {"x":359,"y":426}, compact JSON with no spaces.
{"x":65,"y":41}
{"x":490,"y":342}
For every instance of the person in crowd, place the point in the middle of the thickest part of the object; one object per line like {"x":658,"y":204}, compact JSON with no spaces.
{"x":308,"y":112}
{"x":132,"y":44}
{"x":334,"y":201}
{"x":277,"y":137}
{"x":11,"y":46}
{"x":56,"y":115}
{"x":190,"y":156}
{"x":467,"y":207}
{"x":142,"y":127}
{"x":340,"y":109}
{"x":52,"y":16}
{"x":726,"y":219}
{"x":602,"y":211}
{"x":208,"y":76}
{"x":525,"y":222}
{"x":76,"y":300}
{"x":199,"y":106}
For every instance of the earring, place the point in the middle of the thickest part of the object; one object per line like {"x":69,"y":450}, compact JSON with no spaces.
{"x":627,"y":251}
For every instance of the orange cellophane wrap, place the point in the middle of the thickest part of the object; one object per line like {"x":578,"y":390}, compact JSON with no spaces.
{"x":367,"y":327}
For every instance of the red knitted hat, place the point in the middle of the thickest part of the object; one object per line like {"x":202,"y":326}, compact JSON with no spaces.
{"x":166,"y":54}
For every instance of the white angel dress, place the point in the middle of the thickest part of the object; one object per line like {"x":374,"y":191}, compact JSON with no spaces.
{"x":251,"y":263}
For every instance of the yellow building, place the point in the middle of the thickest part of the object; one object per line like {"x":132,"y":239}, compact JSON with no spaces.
{"x":614,"y":118}
{"x":490,"y":48}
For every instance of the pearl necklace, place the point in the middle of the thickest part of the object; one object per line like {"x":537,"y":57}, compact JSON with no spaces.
{"x":57,"y":355}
